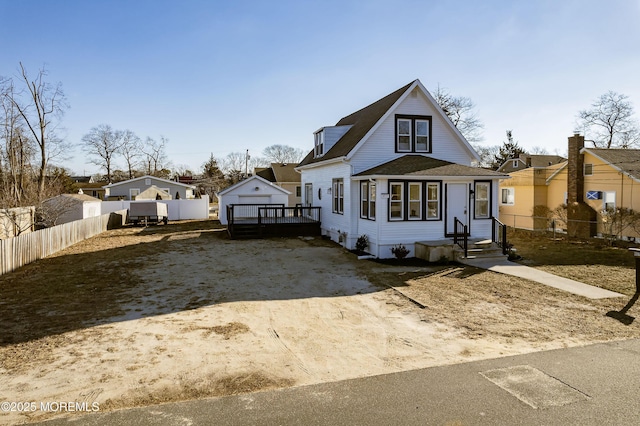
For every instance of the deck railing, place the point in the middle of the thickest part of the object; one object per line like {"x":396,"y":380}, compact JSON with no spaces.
{"x":461,"y":235}
{"x":298,"y":214}
{"x":499,"y":234}
{"x":246,"y":211}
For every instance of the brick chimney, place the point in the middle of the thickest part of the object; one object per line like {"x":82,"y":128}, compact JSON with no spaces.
{"x":582,"y":219}
{"x":575,"y":166}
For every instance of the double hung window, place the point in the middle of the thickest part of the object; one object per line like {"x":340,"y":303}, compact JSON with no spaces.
{"x":507,"y":196}
{"x":410,"y":200}
{"x":413,"y":133}
{"x":368,"y":200}
{"x":338,"y":196}
{"x":482,"y":197}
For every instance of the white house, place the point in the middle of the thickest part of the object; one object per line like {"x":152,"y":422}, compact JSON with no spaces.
{"x":399,"y":172}
{"x":254,"y":191}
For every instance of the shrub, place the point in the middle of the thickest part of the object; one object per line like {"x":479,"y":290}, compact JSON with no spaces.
{"x":362,"y":243}
{"x":399,"y":251}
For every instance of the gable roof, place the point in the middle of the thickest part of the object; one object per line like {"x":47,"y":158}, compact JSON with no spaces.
{"x":537,"y":160}
{"x":265,"y":173}
{"x":365,"y":120}
{"x":285,"y":172}
{"x":78,"y":197}
{"x":252,"y":178}
{"x":173,"y":182}
{"x":419,"y":165}
{"x":624,"y":160}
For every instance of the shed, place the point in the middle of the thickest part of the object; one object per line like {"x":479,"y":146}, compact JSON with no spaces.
{"x":69,"y":207}
{"x":253,"y":191}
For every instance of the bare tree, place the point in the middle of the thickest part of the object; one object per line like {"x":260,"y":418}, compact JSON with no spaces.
{"x":234,"y":165}
{"x":16,"y":151}
{"x":44,"y":105}
{"x":461,"y":112}
{"x":538,"y":150}
{"x":102,"y":143}
{"x":131,"y":151}
{"x":155,"y":158}
{"x":487,"y":154}
{"x":610,"y":122}
{"x":283,"y":154}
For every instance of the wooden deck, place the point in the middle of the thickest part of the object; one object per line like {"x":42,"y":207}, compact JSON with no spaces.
{"x":259,"y":221}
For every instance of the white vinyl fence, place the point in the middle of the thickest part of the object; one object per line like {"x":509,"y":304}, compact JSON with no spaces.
{"x":26,"y":248}
{"x":176,"y":209}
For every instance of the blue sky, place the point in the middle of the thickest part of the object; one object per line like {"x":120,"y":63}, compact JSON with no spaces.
{"x":218,"y":77}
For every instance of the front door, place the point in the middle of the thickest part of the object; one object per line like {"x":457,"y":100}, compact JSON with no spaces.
{"x":456,"y":205}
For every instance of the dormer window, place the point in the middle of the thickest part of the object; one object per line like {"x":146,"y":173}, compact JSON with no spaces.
{"x":413,"y":133}
{"x":318,"y":150}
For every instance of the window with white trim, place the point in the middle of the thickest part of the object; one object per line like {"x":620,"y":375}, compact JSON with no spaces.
{"x":404,"y":135}
{"x":133,"y":193}
{"x":318,"y":150}
{"x":298,"y":191}
{"x":368,"y":200}
{"x":308,"y":194}
{"x":338,"y":196}
{"x":482,"y":200}
{"x":422,"y":135}
{"x":433,"y":201}
{"x":415,"y":200}
{"x":609,"y":200}
{"x":413,"y":133}
{"x":588,"y":169}
{"x":396,"y":190}
{"x":507,"y":196}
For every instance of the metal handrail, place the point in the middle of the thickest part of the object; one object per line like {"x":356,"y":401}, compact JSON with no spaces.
{"x":499,"y":234}
{"x":458,"y":236}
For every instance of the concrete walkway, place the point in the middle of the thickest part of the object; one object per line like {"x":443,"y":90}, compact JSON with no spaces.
{"x":532,"y":274}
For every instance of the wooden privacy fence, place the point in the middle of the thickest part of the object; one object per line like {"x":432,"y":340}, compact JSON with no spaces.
{"x":26,"y":248}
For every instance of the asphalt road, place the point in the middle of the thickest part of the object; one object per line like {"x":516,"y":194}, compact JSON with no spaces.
{"x":591,"y":385}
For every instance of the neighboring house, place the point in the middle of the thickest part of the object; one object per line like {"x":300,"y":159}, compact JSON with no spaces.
{"x":589,"y":183}
{"x":69,"y":207}
{"x":81,"y":179}
{"x":399,"y":172}
{"x":254,"y":191}
{"x":525,"y":161}
{"x":129,"y":189}
{"x":285,"y":176}
{"x":93,"y":189}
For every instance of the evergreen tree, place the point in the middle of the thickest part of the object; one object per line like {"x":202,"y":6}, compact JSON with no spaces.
{"x":509,"y":149}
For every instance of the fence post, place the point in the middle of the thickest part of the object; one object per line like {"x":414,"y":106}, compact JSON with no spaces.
{"x":636,"y":255}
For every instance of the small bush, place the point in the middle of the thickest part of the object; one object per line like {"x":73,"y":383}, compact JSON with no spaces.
{"x":399,"y":251}
{"x":362,"y":243}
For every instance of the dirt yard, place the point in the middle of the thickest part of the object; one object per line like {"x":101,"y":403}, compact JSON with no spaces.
{"x":139,"y":316}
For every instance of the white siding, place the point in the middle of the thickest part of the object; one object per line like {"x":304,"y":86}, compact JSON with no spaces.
{"x":332,"y":134}
{"x":322,"y":179}
{"x":380,"y":147}
{"x":251,"y":191}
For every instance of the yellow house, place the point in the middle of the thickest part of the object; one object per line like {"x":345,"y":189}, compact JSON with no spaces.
{"x":603,"y":182}
{"x":527,"y":196}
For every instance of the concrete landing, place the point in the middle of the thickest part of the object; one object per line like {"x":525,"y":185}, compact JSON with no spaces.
{"x":532,"y":274}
